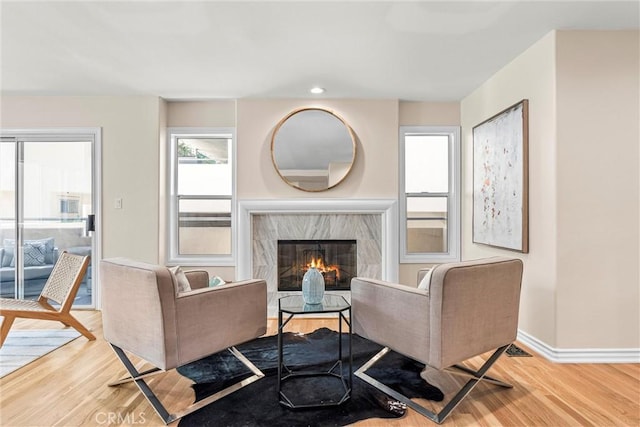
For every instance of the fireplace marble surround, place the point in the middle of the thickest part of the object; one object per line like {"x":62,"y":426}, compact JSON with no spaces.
{"x":373,"y":223}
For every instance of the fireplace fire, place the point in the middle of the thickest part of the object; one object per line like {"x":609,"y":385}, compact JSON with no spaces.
{"x":335,"y":259}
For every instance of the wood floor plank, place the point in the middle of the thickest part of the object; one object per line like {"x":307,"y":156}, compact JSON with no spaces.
{"x":68,"y":387}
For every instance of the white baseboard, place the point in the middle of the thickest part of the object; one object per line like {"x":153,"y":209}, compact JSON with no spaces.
{"x":580,"y":355}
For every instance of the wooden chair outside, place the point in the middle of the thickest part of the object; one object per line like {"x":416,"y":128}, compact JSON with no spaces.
{"x":61,"y":287}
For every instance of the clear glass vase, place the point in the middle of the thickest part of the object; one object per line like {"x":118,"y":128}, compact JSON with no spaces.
{"x":312,"y":286}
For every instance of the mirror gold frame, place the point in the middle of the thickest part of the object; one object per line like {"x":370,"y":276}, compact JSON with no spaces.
{"x":313,"y":149}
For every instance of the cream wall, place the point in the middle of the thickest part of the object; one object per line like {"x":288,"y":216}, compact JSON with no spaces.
{"x":598,"y":136}
{"x":130,"y":157}
{"x":413,"y":113}
{"x":374,"y":173}
{"x":580,"y":288}
{"x":531,"y":76}
{"x":214,"y":113}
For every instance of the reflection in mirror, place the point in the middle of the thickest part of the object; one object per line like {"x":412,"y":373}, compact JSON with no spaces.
{"x":313,"y":149}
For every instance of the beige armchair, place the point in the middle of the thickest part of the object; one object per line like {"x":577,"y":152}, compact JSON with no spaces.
{"x":145,"y":315}
{"x":468,"y":309}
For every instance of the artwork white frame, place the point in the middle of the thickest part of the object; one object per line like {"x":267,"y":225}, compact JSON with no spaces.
{"x":500,"y":179}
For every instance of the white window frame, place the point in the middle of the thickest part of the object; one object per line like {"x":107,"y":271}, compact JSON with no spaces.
{"x":453,"y":197}
{"x":173,"y":255}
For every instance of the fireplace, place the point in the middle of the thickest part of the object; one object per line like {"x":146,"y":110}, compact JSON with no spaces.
{"x":373,"y":224}
{"x":335,"y":259}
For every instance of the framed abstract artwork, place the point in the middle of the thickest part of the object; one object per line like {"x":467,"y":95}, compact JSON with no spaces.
{"x":500,"y":179}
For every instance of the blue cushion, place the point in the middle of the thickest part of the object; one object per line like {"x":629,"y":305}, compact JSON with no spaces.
{"x":8,"y":254}
{"x":216,"y":281}
{"x":48,"y":245}
{"x":33,"y":255}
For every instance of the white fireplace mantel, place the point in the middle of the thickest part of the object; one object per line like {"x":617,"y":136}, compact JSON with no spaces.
{"x":387,"y":208}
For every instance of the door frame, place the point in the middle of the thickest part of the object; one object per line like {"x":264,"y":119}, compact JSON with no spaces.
{"x":67,"y":134}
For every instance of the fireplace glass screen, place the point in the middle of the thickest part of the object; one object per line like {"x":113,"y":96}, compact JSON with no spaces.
{"x":335,"y":259}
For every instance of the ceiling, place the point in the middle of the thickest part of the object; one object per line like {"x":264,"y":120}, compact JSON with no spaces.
{"x":420,"y":50}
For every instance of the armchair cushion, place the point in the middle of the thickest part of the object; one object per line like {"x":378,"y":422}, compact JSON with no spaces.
{"x":180,"y":279}
{"x":425,"y":282}
{"x":212,"y":319}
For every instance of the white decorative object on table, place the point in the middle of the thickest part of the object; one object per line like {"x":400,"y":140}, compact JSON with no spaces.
{"x":313,"y":286}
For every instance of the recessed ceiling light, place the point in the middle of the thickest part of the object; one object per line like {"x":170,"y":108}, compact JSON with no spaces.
{"x":316,"y":90}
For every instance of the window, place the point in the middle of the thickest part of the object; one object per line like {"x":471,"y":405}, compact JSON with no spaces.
{"x":429,"y":194}
{"x":201,"y":196}
{"x":69,"y":205}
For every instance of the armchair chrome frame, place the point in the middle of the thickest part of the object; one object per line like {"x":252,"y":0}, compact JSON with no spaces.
{"x":138,"y":378}
{"x":439,"y":417}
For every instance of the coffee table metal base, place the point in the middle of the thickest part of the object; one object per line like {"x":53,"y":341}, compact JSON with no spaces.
{"x":337,"y":370}
{"x":335,"y":373}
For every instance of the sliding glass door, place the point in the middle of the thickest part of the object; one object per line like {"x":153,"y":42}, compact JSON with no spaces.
{"x":46,"y":207}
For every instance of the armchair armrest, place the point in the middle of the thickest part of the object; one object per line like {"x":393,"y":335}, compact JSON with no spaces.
{"x":198,"y":279}
{"x":212,"y":319}
{"x":381,"y":308}
{"x":474,"y":308}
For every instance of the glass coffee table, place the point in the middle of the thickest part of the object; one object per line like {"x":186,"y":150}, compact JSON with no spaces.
{"x":342,"y":376}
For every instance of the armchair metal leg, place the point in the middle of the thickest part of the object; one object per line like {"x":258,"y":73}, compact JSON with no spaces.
{"x":439,"y":417}
{"x":138,"y":378}
{"x":145,"y":374}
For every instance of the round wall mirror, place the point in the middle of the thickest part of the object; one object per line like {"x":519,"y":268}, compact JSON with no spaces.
{"x":313,"y":149}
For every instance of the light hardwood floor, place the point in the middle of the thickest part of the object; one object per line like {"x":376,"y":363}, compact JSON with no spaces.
{"x":68,"y":387}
